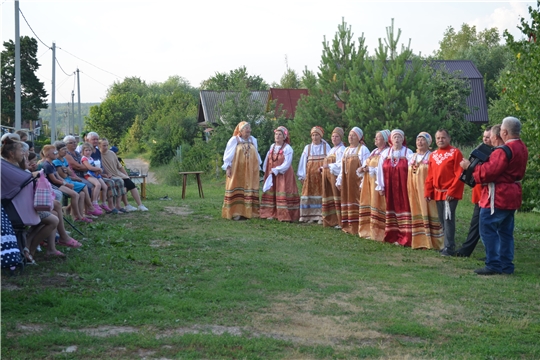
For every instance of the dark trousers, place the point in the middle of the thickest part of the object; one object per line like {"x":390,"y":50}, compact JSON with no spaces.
{"x":448,"y":225}
{"x":474,"y":234}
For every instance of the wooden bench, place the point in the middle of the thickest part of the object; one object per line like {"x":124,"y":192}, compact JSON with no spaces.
{"x":140,"y":179}
{"x":184,"y":182}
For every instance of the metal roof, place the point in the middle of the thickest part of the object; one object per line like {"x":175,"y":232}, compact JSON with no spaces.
{"x":287,"y":99}
{"x":477,"y":100}
{"x":209,"y":112}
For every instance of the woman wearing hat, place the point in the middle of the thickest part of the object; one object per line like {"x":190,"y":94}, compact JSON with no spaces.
{"x":426,"y":227}
{"x":241,"y":162}
{"x":331,"y":197}
{"x":310,"y":176}
{"x":372,"y":205}
{"x":348,"y":181}
{"x":392,"y":172}
{"x":280,"y":198}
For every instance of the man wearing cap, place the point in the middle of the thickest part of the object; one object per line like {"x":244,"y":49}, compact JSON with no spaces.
{"x":443,"y":186}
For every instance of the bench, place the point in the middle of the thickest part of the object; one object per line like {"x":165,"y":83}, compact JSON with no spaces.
{"x":184,"y":182}
{"x":140,"y":179}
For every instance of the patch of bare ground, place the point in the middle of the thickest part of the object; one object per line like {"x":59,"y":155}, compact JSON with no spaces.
{"x":160,"y":243}
{"x":9,"y":287}
{"x":294,"y":317}
{"x":178,"y":210}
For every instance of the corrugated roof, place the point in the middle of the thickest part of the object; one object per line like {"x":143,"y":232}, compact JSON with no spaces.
{"x":476,"y":101}
{"x":287,"y":99}
{"x":210,"y":101}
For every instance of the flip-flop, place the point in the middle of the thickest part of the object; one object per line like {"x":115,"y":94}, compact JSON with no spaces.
{"x":70,"y":243}
{"x":55,"y":254}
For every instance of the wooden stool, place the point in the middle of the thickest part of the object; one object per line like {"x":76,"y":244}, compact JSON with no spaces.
{"x":199,"y":182}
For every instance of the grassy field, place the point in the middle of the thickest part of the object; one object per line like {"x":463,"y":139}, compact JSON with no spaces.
{"x":179,"y":282}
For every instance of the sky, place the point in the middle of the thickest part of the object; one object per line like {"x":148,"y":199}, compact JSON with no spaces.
{"x":153,"y":40}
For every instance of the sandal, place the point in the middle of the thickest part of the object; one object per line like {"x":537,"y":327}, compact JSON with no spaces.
{"x":84,"y":219}
{"x":55,"y":254}
{"x":72,"y":243}
{"x":29,"y":259}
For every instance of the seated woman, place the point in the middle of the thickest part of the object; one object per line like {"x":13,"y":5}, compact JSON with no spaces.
{"x":69,"y":176}
{"x":77,"y":199}
{"x":280,"y":199}
{"x":309,"y":174}
{"x":13,"y":152}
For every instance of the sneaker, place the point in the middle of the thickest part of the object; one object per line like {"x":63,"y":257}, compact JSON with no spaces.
{"x":142,"y":208}
{"x":130,"y":208}
{"x":84,"y":219}
{"x":90,"y":216}
{"x":105,"y":207}
{"x":113,"y":211}
{"x":122,"y":210}
{"x":447,"y":252}
{"x":94,"y":213}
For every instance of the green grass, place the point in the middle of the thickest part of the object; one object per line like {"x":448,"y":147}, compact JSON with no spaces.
{"x":180,"y":282}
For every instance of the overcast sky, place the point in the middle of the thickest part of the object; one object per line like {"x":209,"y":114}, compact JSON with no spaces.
{"x":153,"y":40}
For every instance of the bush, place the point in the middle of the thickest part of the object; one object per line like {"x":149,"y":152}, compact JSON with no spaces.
{"x":162,"y":153}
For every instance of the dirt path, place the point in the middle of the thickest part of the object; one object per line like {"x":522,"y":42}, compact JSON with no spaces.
{"x":142,"y":167}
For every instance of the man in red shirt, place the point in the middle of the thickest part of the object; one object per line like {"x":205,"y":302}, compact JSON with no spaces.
{"x":474,"y":229}
{"x":443,"y":186}
{"x":501,"y":197}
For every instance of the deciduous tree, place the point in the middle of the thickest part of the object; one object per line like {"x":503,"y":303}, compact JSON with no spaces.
{"x":33,"y":94}
{"x":519,"y":86}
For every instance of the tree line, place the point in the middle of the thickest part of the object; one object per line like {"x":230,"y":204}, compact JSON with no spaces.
{"x":391,"y":88}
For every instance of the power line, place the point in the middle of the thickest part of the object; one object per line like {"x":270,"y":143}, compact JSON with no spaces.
{"x":33,"y":29}
{"x":46,"y":51}
{"x":73,"y":73}
{"x":97,"y":67}
{"x":93,"y":79}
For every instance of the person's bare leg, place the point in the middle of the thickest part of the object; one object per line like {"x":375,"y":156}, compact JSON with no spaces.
{"x":44,"y":232}
{"x":61,"y":229}
{"x":136,"y":197}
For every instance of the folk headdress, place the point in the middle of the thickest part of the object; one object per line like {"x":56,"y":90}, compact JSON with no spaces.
{"x":239,"y":127}
{"x":285,"y":133}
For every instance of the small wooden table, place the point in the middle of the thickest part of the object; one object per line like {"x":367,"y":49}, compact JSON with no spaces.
{"x":140,"y":179}
{"x":184,"y":182}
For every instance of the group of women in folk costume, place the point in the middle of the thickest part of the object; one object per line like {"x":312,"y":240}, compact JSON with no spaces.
{"x":377,"y":195}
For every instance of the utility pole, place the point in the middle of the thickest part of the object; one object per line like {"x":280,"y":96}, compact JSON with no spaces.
{"x":53,"y":95}
{"x":79,"y":97}
{"x":72,"y":112}
{"x":17,"y":69}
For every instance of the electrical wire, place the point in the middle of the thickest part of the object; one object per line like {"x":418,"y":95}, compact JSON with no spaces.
{"x":82,"y":72}
{"x":97,"y":67}
{"x":73,"y":73}
{"x":33,"y":29}
{"x":46,"y":51}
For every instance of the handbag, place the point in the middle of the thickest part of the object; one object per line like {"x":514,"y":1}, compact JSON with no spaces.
{"x":43,"y":196}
